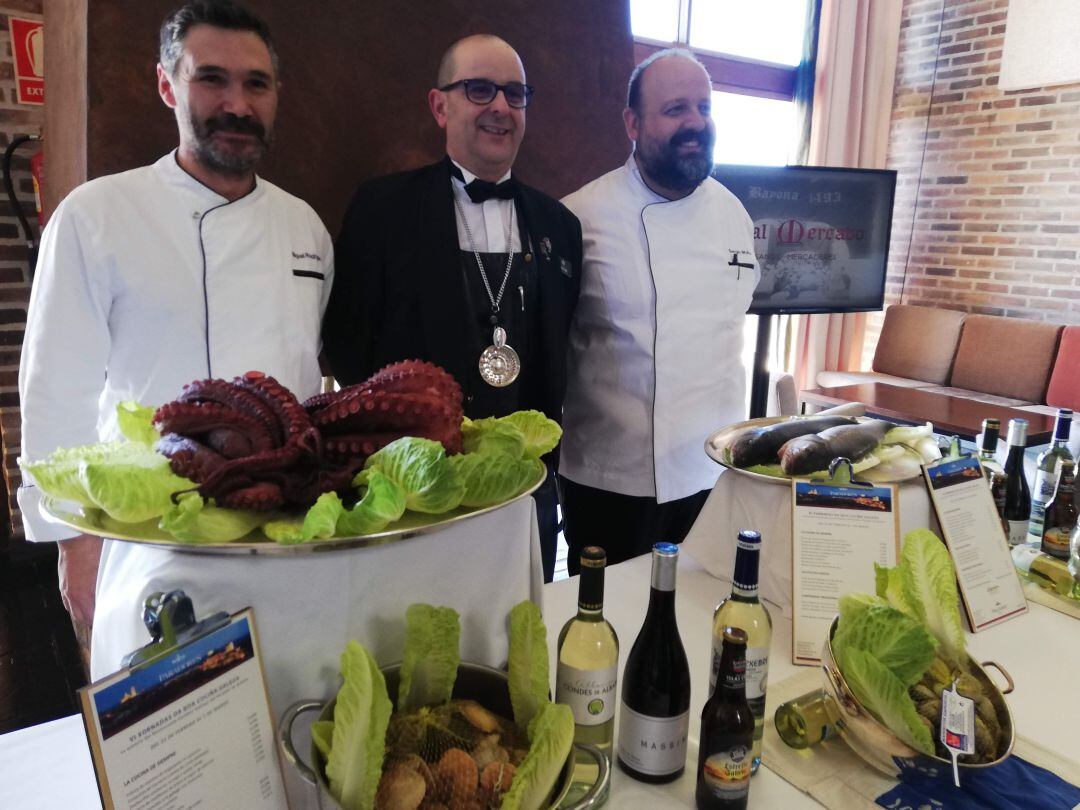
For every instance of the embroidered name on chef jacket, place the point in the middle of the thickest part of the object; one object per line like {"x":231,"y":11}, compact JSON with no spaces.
{"x":306,"y":257}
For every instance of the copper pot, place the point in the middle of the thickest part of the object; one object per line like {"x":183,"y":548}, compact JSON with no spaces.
{"x":882,"y":749}
{"x":485,"y":685}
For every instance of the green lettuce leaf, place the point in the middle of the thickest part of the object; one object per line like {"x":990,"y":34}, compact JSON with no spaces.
{"x":382,"y":503}
{"x":528,"y":677}
{"x":319,"y":523}
{"x":492,"y":436}
{"x":129,"y":481}
{"x":193,"y":520}
{"x":492,"y":478}
{"x":322,"y":734}
{"x":136,"y":422}
{"x":893,"y":638}
{"x":541,"y":434}
{"x":886,"y":696}
{"x":429,"y":665}
{"x":551,"y":736}
{"x":927,"y":582}
{"x":358,"y":741}
{"x":421,"y":468}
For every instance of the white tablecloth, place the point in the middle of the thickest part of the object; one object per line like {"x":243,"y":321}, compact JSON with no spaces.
{"x":740,"y":502}
{"x":46,"y":767}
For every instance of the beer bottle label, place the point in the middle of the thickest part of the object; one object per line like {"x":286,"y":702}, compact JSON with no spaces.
{"x":727,"y":773}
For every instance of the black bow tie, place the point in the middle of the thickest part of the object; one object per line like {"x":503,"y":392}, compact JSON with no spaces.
{"x":481,"y":190}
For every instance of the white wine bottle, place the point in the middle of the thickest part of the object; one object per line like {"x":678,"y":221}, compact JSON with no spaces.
{"x":1047,"y":474}
{"x":589,"y":658}
{"x":744,"y":610}
{"x":654,"y":720}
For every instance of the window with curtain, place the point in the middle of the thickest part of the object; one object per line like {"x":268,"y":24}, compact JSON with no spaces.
{"x":759,"y":57}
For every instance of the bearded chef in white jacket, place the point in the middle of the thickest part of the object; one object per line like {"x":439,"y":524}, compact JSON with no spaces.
{"x":190,"y":268}
{"x":655,"y":346}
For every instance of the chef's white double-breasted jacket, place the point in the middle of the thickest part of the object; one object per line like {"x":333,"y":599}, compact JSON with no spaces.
{"x":655,"y":346}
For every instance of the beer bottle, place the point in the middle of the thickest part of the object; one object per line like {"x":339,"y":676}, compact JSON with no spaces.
{"x":725,"y":750}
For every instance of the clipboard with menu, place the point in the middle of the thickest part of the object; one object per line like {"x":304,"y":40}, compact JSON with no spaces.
{"x":971,"y":527}
{"x":841,"y":527}
{"x":189,"y":726}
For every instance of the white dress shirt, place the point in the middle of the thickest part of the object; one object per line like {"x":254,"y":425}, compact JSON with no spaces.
{"x":656,"y":339}
{"x":487,"y":220}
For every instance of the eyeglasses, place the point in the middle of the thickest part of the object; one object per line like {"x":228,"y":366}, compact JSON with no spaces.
{"x":483,"y":91}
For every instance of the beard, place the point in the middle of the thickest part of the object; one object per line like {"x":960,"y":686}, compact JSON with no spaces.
{"x":663,"y":163}
{"x":219,"y":157}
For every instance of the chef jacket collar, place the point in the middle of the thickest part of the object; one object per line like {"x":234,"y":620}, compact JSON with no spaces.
{"x":174,"y":173}
{"x":469,"y":176}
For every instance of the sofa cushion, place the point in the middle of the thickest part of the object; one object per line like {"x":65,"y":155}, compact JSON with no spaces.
{"x":834,"y":379}
{"x":1009,"y":357}
{"x":918,"y":343}
{"x":1064,"y":388}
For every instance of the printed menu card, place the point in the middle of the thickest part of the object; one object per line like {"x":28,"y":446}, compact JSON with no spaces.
{"x":190,"y":729}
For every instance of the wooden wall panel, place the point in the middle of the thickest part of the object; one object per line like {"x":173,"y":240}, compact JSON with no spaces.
{"x":356,"y":75}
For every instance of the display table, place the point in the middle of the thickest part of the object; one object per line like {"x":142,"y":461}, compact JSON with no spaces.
{"x":48,"y":762}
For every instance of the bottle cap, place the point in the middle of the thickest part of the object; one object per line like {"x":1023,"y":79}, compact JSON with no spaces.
{"x":1018,"y":432}
{"x":735,"y":635}
{"x":664,"y":565}
{"x":593,"y":557}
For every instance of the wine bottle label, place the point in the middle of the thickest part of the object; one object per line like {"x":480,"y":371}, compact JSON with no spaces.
{"x":590,"y":693}
{"x":727,"y":773}
{"x":1045,"y":485}
{"x":653,"y":745}
{"x":1017,"y":532}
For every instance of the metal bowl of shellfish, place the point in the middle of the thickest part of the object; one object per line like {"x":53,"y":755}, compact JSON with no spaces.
{"x":484,"y":697}
{"x":881,"y":748}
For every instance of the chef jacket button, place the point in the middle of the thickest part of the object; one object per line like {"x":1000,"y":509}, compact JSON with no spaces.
{"x":195,"y":214}
{"x":528,"y":257}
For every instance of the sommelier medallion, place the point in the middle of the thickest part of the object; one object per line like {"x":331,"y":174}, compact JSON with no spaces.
{"x":499,"y":363}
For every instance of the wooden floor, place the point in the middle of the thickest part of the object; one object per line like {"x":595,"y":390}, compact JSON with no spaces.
{"x":40,"y":668}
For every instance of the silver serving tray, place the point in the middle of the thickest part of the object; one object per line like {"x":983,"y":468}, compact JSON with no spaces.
{"x":412,"y":524}
{"x":718,"y":445}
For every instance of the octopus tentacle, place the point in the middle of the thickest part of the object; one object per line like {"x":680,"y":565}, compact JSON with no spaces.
{"x":246,"y":435}
{"x":293,"y":417}
{"x":235,"y":398}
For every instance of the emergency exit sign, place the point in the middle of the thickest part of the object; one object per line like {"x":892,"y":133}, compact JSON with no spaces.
{"x":28,"y":50}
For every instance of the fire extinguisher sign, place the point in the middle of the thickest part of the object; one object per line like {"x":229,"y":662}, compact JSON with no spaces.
{"x":28,"y":50}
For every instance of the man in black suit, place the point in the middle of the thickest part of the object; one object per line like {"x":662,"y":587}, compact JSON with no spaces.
{"x":460,"y":264}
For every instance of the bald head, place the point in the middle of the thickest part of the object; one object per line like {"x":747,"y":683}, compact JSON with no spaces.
{"x":448,"y":65}
{"x":637,"y":78}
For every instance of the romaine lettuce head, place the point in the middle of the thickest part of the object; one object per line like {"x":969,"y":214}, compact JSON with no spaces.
{"x":129,"y":481}
{"x":885,"y":695}
{"x":136,"y":422}
{"x":927,"y":582}
{"x":430,"y":663}
{"x":494,"y":477}
{"x":193,"y":520}
{"x":895,"y":639}
{"x":492,"y":436}
{"x":382,"y":502}
{"x":358,"y":740}
{"x":551,"y":736}
{"x":420,"y":467}
{"x":528,"y":677}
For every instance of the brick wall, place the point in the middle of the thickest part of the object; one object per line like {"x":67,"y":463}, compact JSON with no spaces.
{"x":987,"y":215}
{"x":15,"y":119}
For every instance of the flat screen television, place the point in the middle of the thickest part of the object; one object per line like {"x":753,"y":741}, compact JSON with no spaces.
{"x":821,"y":235}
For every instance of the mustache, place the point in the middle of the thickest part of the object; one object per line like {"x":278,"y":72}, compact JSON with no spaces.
{"x":702,"y":136}
{"x":235,"y":123}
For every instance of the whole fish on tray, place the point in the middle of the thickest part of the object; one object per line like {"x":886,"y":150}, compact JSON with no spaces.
{"x":761,"y":445}
{"x":807,"y":454}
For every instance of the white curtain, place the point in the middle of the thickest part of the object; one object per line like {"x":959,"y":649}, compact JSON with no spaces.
{"x":853,"y":92}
